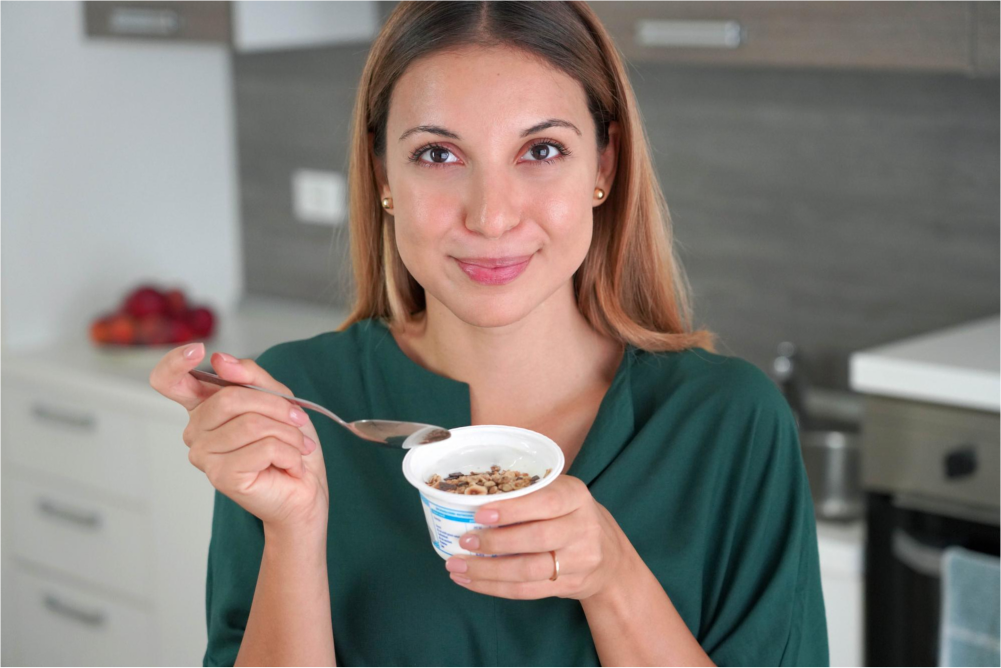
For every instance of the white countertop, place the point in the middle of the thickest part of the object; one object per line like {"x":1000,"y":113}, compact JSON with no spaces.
{"x":249,"y":329}
{"x":959,"y":366}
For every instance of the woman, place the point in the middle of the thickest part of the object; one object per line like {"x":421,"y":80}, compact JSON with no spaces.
{"x":513,"y":267}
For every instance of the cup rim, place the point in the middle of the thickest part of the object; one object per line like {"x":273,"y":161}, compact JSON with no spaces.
{"x":483,"y":499}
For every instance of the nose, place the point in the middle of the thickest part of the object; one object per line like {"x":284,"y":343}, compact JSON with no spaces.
{"x":492,"y":208}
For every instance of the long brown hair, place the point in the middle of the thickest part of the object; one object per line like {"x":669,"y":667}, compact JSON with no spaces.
{"x":630,"y":287}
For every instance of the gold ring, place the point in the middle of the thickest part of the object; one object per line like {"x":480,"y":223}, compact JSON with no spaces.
{"x":556,"y":566}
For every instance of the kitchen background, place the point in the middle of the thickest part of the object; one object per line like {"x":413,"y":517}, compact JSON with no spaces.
{"x":833,"y":182}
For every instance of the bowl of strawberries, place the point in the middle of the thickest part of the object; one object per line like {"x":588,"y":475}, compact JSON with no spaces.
{"x":153,"y":316}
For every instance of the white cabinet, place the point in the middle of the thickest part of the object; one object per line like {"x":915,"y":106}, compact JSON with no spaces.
{"x":59,"y":624}
{"x":247,"y":26}
{"x":842,"y":575}
{"x":106,"y":524}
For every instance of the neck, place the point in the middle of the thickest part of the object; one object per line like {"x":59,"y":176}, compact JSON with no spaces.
{"x":521,"y":370}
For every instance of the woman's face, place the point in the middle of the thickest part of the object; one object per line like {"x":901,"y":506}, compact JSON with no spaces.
{"x":476,"y":173}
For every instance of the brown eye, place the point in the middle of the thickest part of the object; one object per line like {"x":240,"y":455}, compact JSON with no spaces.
{"x":542,"y":151}
{"x":546,"y":152}
{"x":440,"y":153}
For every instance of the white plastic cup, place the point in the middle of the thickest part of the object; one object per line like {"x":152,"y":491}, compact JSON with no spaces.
{"x":476,"y":448}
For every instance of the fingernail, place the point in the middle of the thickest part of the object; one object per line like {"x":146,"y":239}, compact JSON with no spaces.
{"x":310,"y":443}
{"x":470,"y":541}
{"x":192,"y":350}
{"x":297,"y":416}
{"x":228,"y":358}
{"x":456,"y":565}
{"x":459,"y":578}
{"x":487,"y":516}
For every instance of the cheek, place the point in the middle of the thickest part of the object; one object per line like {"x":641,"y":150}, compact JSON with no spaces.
{"x":422,"y":226}
{"x":567,"y":221}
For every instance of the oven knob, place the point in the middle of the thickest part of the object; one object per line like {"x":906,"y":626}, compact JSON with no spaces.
{"x":961,"y":462}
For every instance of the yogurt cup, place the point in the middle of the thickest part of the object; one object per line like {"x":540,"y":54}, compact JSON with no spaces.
{"x":476,"y":448}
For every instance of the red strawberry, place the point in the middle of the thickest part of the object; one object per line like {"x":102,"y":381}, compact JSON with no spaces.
{"x":180,"y":332}
{"x":154,"y":330}
{"x":201,"y":321}
{"x":145,"y":301}
{"x":177,"y":303}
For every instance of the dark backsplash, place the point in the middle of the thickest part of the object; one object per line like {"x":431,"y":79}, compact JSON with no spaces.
{"x":834,"y":209}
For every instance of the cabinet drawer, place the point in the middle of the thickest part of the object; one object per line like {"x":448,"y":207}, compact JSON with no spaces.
{"x":68,"y":435}
{"x":58,"y":625}
{"x":80,"y":536}
{"x":922,"y":36}
{"x":924,"y":449}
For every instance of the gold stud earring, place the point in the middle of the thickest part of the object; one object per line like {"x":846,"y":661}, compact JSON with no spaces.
{"x":599,"y":193}
{"x":387,"y":202}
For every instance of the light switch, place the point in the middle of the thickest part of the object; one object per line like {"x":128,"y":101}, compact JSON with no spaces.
{"x":319,"y":197}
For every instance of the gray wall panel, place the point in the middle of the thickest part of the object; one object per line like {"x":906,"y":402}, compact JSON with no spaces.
{"x":835,"y":209}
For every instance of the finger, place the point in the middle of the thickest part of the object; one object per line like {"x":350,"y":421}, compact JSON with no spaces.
{"x":559,"y":498}
{"x":258,"y":456}
{"x":520,"y":568}
{"x":247,"y":372}
{"x":230,"y":402}
{"x":514,"y":590}
{"x":253,"y":427}
{"x":170,"y":376}
{"x":540,"y":536}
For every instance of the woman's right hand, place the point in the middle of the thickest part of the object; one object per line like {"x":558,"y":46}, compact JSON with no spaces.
{"x":250,"y":444}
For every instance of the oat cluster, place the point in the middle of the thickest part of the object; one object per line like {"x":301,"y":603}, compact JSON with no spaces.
{"x":494,"y":481}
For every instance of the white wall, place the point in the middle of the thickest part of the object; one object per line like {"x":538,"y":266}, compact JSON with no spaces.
{"x":119,"y":166}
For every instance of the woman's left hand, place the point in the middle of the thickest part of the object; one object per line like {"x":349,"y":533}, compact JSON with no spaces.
{"x":563,"y":516}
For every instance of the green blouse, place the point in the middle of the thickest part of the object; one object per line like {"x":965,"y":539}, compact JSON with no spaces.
{"x":695,"y":455}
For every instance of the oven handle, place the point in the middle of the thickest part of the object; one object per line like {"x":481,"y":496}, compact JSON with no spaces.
{"x":917,"y":556}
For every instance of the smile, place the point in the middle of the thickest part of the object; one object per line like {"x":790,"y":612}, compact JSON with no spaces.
{"x":497,"y":275}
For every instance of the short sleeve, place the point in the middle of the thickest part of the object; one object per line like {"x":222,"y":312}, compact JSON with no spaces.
{"x":770,"y":608}
{"x":236,"y":549}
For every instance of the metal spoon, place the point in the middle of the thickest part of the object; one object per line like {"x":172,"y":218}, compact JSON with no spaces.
{"x":388,"y":433}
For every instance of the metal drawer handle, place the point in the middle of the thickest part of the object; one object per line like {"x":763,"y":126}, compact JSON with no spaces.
{"x":706,"y":34}
{"x":93,"y":618}
{"x":920,"y":558}
{"x":144,"y":21}
{"x":90,"y":520}
{"x":49,"y":414}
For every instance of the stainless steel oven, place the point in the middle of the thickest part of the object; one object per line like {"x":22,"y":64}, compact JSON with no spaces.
{"x":931,"y":475}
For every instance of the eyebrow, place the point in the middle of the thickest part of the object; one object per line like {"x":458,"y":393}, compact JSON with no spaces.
{"x":538,"y":127}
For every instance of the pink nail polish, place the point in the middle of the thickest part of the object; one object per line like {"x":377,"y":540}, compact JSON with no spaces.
{"x":487,"y":517}
{"x":459,"y":578}
{"x":191,"y":350}
{"x":456,"y":565}
{"x":310,"y":444}
{"x":227,"y":358}
{"x":297,"y":416}
{"x":470,"y":542}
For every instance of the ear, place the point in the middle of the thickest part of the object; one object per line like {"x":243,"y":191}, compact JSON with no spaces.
{"x":380,"y":169}
{"x":608,"y":161}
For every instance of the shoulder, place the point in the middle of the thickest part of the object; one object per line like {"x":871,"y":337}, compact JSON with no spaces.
{"x":697,"y":379}
{"x":334,"y":352}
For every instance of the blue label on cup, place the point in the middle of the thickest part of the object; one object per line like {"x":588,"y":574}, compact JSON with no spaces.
{"x":448,"y":525}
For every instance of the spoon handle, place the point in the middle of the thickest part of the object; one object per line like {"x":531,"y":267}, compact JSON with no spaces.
{"x":216,"y":380}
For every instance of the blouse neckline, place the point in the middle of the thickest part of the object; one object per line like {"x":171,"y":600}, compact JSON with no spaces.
{"x":610,"y":431}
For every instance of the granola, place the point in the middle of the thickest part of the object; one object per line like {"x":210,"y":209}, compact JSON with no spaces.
{"x":494,"y":481}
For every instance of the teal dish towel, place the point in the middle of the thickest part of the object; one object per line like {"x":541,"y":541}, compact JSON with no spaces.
{"x":971,"y":624}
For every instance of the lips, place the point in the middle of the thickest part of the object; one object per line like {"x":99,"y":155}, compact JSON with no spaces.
{"x":494,"y":262}
{"x":494,"y":271}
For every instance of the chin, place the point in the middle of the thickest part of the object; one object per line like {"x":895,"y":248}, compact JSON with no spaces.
{"x":490,"y":312}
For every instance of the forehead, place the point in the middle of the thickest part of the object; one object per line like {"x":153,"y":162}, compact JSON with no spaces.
{"x":500,"y":88}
